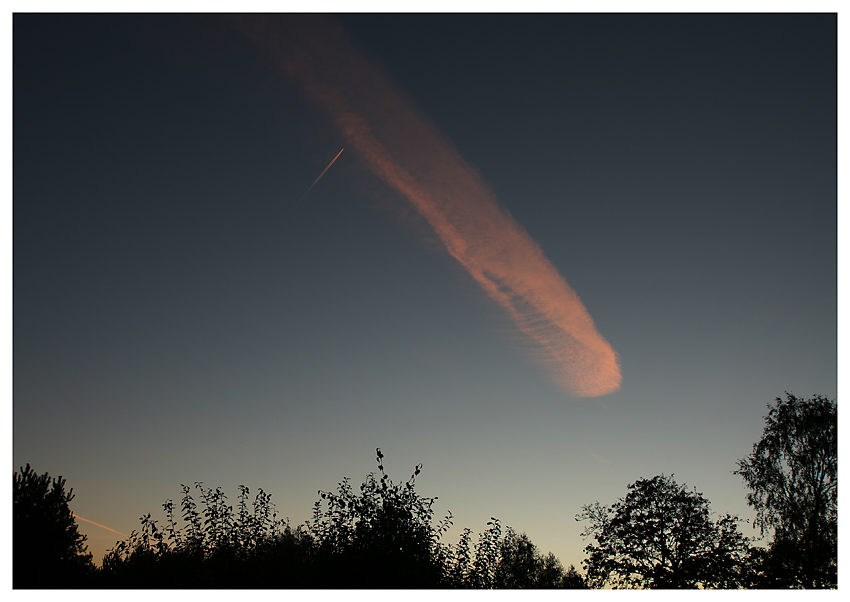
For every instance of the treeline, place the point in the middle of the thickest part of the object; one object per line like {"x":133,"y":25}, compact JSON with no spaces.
{"x":384,"y":535}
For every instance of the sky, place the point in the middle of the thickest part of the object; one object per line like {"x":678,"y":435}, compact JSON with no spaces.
{"x":558,"y":254}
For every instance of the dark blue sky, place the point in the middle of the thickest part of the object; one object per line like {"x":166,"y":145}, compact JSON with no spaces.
{"x":180,"y":316}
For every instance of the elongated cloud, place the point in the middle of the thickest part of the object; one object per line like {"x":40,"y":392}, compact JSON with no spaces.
{"x":408,"y":153}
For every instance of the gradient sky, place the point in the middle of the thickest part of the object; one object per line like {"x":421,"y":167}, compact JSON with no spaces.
{"x":180,"y":315}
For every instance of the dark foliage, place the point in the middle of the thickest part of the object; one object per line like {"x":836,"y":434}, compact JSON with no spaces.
{"x":48,"y":550}
{"x":505,"y":561}
{"x":522,"y":566}
{"x":216,"y":548}
{"x":793,"y":476}
{"x":661,"y":536}
{"x":380,"y":537}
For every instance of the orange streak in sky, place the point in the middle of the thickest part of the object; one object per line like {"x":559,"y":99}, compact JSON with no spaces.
{"x":408,"y":153}
{"x":323,"y":173}
{"x":99,"y":525}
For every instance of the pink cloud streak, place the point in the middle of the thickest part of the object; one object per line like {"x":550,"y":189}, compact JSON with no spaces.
{"x":405,"y":150}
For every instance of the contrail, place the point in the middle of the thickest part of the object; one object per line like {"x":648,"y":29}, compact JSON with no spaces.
{"x":99,"y":525}
{"x":323,"y":173}
{"x":404,"y":149}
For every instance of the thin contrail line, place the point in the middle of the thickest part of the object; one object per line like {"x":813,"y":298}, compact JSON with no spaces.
{"x":321,"y":174}
{"x":99,"y":525}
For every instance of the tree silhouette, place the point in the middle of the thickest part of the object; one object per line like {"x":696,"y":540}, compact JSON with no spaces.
{"x":382,"y":537}
{"x":216,"y":547}
{"x":521,"y":565}
{"x":505,"y":561}
{"x":48,"y":550}
{"x":571,"y":579}
{"x":660,"y":535}
{"x":793,"y":474}
{"x":518,"y":562}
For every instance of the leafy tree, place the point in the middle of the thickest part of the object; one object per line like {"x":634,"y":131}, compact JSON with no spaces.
{"x":483,"y":573}
{"x":506,"y":561}
{"x":518,"y":563}
{"x":571,"y":579}
{"x":216,"y":547}
{"x":48,"y":549}
{"x":521,"y":565}
{"x":793,"y":474}
{"x":660,"y":535}
{"x":382,"y":537}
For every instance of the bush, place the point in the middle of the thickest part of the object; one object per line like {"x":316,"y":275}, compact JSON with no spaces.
{"x":215,"y":547}
{"x":383,"y":536}
{"x":508,"y":561}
